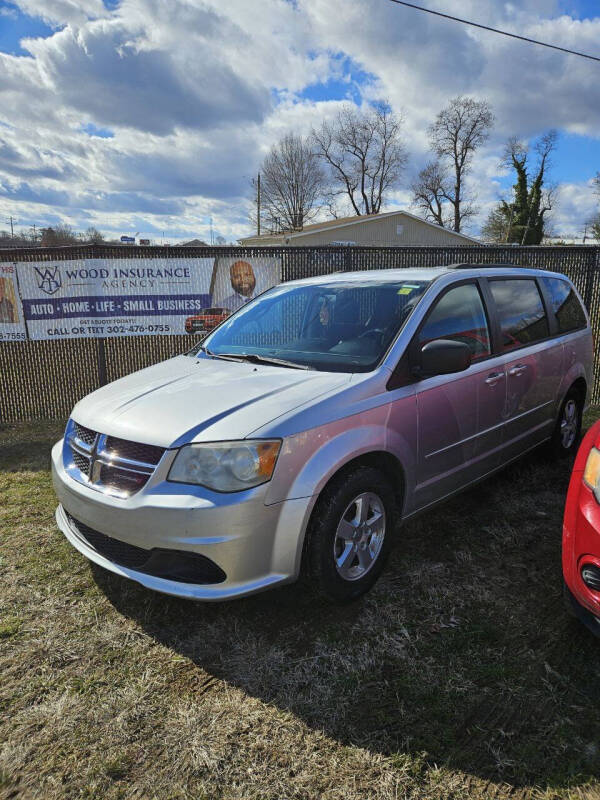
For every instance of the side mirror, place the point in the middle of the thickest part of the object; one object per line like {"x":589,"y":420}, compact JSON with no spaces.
{"x":442,"y":357}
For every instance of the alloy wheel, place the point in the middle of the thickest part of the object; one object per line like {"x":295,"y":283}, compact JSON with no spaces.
{"x":569,"y":424}
{"x":359,"y":536}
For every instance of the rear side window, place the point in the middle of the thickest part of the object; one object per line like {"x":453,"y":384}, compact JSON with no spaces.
{"x":565,"y":304}
{"x":459,"y":315}
{"x":520,"y":311}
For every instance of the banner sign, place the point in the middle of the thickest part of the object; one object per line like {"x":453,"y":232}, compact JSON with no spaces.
{"x":12,"y":325}
{"x":127,"y":297}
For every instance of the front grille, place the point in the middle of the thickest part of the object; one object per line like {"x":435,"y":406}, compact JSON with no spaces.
{"x":84,"y":434}
{"x":122,"y":480}
{"x":81,"y":462}
{"x":107,"y":463}
{"x":134,"y":451}
{"x":174,"y":565}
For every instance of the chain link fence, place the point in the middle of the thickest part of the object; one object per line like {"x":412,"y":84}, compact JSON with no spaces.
{"x":44,"y":379}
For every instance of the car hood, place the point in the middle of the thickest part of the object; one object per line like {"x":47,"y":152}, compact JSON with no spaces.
{"x":186,"y":399}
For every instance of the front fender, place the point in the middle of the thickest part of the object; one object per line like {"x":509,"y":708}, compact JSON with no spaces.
{"x":310,"y":459}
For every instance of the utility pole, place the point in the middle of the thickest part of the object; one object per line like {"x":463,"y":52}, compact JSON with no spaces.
{"x":12,"y":232}
{"x":258,"y":205}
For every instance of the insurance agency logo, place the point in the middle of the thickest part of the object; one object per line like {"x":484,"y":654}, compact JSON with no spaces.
{"x":49,"y":280}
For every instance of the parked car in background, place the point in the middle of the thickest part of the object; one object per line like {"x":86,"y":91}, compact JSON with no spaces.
{"x":316,"y":418}
{"x":581,"y":534}
{"x":206,"y":320}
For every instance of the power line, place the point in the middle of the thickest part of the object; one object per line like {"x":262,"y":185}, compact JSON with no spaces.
{"x":495,"y":30}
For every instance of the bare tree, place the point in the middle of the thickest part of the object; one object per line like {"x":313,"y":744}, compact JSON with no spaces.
{"x":497,"y":226}
{"x":60,"y":234}
{"x":92,"y":235}
{"x":364,"y":155}
{"x":430,"y":193}
{"x":458,"y":130}
{"x":292,"y":182}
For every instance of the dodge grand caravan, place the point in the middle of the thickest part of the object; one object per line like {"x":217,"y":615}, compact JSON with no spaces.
{"x":316,"y":418}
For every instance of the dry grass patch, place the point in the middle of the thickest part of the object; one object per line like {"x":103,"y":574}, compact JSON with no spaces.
{"x":459,"y":676}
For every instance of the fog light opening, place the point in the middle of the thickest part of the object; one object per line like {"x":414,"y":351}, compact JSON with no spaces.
{"x":590,"y":575}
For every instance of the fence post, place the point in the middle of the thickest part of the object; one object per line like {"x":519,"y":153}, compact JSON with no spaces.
{"x":101,"y":358}
{"x":592,"y":267}
{"x":348,"y":259}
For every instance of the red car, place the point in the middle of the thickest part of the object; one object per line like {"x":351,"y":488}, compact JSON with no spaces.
{"x":206,"y":320}
{"x":581,"y":534}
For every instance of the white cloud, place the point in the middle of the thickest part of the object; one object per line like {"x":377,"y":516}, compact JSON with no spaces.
{"x":576,"y":204}
{"x":63,"y":12}
{"x":196,"y":91}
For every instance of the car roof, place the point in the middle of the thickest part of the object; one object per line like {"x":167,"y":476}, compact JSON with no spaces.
{"x":459,"y":271}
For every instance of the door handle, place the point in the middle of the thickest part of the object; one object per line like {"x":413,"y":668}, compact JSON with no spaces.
{"x":493,"y":378}
{"x":517,"y":370}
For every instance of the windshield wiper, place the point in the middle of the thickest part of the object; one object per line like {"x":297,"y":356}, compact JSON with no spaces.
{"x":255,"y":358}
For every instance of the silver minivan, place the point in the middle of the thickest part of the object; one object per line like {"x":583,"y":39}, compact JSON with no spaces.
{"x":299,"y":434}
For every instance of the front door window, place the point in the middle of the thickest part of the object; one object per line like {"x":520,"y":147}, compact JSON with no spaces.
{"x":459,"y":315}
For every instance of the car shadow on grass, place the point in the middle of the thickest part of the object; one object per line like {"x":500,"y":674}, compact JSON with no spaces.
{"x":462,"y":654}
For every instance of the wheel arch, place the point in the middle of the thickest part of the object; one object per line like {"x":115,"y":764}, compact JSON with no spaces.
{"x":576,"y":379}
{"x":383,"y":461}
{"x":580,"y":386}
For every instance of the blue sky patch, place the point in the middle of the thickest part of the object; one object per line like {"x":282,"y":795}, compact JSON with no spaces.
{"x":345,"y":84}
{"x":95,"y":130}
{"x":582,"y":9}
{"x":15,"y":25}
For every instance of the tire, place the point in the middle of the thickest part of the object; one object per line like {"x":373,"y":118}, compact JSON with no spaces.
{"x":350,"y":534}
{"x":567,"y":431}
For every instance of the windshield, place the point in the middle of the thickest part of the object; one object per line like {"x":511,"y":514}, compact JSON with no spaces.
{"x":341,"y":326}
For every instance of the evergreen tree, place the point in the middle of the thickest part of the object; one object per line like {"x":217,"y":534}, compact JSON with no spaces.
{"x":523,"y":218}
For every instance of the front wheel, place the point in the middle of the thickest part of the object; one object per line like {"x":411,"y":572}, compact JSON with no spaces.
{"x":350,"y":534}
{"x":568,"y":426}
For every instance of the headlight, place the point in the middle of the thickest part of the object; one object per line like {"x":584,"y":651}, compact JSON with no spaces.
{"x":226,"y":466}
{"x":591,"y":473}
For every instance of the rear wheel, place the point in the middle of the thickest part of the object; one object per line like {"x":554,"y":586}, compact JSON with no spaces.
{"x":567,"y":432}
{"x":350,"y":534}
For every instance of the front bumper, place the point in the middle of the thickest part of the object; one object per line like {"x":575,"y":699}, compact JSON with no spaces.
{"x":256,"y":545}
{"x":581,"y":537}
{"x":585,"y":616}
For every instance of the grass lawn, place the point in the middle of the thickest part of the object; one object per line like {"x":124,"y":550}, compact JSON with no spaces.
{"x":459,"y":676}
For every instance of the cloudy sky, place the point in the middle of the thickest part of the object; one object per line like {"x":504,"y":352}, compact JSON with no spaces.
{"x":151,"y":116}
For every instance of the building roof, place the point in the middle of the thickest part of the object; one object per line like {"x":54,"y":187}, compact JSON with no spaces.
{"x":194,"y":243}
{"x":342,"y":222}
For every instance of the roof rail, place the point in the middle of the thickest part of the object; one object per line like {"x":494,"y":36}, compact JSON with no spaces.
{"x":464,"y":265}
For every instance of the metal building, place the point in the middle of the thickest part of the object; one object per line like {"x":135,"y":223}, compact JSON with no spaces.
{"x":390,"y":229}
